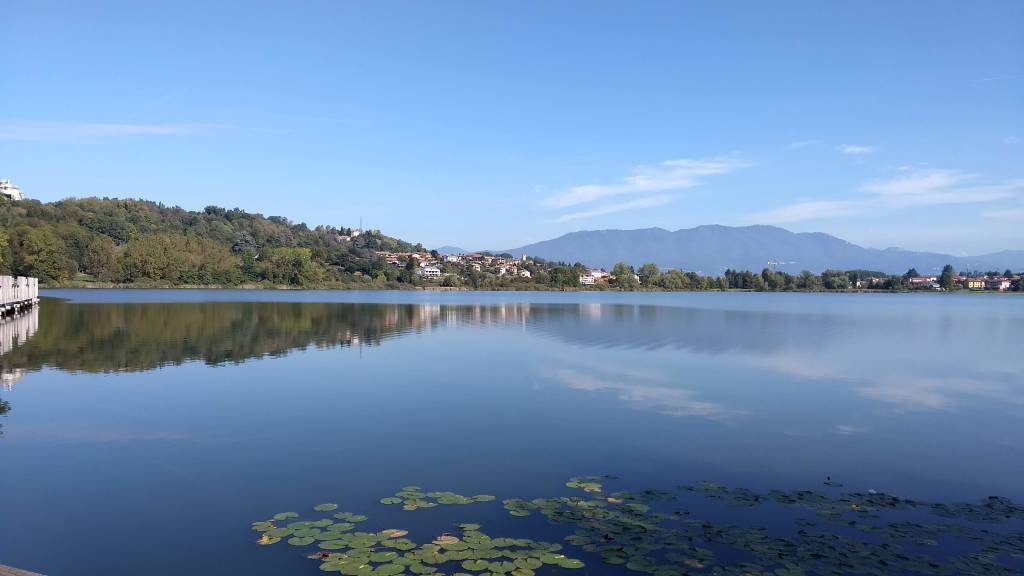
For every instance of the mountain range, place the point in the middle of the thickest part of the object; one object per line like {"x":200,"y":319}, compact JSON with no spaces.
{"x":711,"y":249}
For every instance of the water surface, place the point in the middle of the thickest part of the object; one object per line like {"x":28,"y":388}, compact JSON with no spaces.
{"x":147,"y":429}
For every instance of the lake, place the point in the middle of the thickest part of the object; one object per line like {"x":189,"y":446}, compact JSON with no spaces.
{"x":746,"y":433}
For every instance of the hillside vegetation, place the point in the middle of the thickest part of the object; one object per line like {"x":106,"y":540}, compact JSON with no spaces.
{"x":146,"y":243}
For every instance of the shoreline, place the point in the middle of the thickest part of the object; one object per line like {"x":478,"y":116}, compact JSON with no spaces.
{"x":330,"y":288}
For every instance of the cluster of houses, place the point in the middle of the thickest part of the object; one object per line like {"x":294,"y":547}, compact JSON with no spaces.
{"x":998,"y":283}
{"x":430,"y":266}
{"x":593,"y":276}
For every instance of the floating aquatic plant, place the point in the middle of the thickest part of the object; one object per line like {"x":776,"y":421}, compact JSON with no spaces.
{"x":413,"y":498}
{"x":647,"y":532}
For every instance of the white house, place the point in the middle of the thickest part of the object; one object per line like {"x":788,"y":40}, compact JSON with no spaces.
{"x":593,"y":277}
{"x":11,"y":191}
{"x":430,"y":272}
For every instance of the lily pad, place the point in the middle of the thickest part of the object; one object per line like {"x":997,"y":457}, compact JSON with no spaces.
{"x":389,"y":570}
{"x":475,"y":565}
{"x":285,"y":515}
{"x":325,"y":507}
{"x":301,"y":540}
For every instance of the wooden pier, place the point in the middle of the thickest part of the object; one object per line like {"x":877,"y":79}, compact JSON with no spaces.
{"x":17,"y":293}
{"x":8,"y":571}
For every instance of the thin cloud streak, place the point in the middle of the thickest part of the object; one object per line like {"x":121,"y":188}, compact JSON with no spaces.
{"x":856,"y":149}
{"x":912,"y":188}
{"x":78,"y":131}
{"x":647,"y":202}
{"x":934,"y":187}
{"x":1009,"y":214}
{"x":813,"y":210}
{"x":669,"y":175}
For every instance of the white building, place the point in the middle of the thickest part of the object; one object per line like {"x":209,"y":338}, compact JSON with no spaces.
{"x":593,"y":277}
{"x":430,"y":272}
{"x":11,"y":191}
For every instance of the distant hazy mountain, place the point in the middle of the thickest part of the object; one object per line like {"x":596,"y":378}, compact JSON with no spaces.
{"x":452,"y":250}
{"x":711,"y":249}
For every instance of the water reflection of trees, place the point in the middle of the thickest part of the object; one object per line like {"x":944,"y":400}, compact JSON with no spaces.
{"x":134,"y":336}
{"x":128,"y":337}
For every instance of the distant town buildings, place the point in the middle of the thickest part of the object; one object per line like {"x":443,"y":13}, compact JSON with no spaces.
{"x":594,"y":276}
{"x":989,"y":282}
{"x":431,"y":266}
{"x":10,"y":191}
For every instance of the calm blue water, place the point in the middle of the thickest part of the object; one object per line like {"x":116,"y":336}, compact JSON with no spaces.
{"x":147,"y":429}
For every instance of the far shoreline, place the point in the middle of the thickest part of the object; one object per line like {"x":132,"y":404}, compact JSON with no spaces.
{"x":407,"y":288}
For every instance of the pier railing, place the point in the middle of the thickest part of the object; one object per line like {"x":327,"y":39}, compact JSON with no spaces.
{"x":17,"y":292}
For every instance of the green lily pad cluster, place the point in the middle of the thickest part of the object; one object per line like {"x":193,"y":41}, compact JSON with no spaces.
{"x":626,"y":529}
{"x":648,"y":532}
{"x":382,"y":554}
{"x":590,"y":484}
{"x":413,"y":498}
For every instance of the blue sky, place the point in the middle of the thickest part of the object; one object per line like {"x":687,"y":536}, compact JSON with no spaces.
{"x":495,"y":124}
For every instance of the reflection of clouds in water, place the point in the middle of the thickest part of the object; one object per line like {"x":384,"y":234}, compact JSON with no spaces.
{"x":642,"y":391}
{"x":850,"y":430}
{"x":899,"y":383}
{"x":937,"y":393}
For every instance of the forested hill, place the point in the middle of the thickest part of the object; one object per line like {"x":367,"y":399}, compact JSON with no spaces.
{"x":143,"y":242}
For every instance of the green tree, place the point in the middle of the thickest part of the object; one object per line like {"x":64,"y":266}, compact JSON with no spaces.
{"x":250,"y":270}
{"x":5,"y":252}
{"x":674,"y":280}
{"x":293,"y":266}
{"x":624,"y":278}
{"x":649,"y":274}
{"x":808,"y":281}
{"x":835,"y":280}
{"x":43,"y":255}
{"x":563,"y":277}
{"x":912,"y":273}
{"x":772,"y":280}
{"x":101,"y":261}
{"x":948,"y":278}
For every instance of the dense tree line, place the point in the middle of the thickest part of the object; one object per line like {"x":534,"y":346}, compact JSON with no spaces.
{"x":141,"y":242}
{"x":137,"y":242}
{"x":649,"y":276}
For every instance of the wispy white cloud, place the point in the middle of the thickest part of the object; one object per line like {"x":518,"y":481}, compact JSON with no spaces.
{"x":646,"y":202}
{"x":917,"y":183}
{"x":812,"y":210}
{"x":913,"y":187}
{"x":1010,"y":214}
{"x":669,"y":175}
{"x":74,"y":131}
{"x":856,"y":149}
{"x":932,"y":187}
